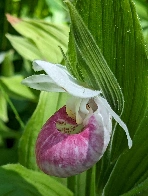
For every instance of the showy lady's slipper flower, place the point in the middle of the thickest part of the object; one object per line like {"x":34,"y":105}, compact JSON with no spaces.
{"x":77,"y":135}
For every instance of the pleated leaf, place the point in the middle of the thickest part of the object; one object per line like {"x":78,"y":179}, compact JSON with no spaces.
{"x":91,"y":62}
{"x":25,"y":47}
{"x":141,"y":189}
{"x":12,"y":85}
{"x":47,"y":37}
{"x":131,"y":169}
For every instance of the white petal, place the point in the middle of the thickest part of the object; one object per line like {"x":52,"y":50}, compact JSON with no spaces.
{"x":83,"y":107}
{"x":104,"y":112}
{"x":117,"y":118}
{"x":43,"y":83}
{"x":72,"y":108}
{"x":63,"y":79}
{"x":106,"y":119}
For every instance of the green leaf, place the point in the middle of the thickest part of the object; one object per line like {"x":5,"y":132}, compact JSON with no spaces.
{"x":17,"y":180}
{"x":130,"y":52}
{"x":12,"y":85}
{"x":25,"y":47}
{"x":48,"y":104}
{"x":47,"y":37}
{"x":134,"y":74}
{"x":7,"y":64}
{"x":131,"y":171}
{"x":3,"y":108}
{"x":142,"y":9}
{"x":92,"y":63}
{"x":141,"y":189}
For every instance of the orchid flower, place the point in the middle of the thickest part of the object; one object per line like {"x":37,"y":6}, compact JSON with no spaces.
{"x":77,"y":135}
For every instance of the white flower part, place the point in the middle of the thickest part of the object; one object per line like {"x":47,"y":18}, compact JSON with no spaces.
{"x":106,"y":119}
{"x":58,"y":77}
{"x":115,"y":116}
{"x":42,"y":82}
{"x":76,"y":108}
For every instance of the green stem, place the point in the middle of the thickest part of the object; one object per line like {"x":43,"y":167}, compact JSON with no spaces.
{"x":90,"y":181}
{"x":71,"y":184}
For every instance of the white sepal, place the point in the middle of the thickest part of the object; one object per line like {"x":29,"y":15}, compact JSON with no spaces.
{"x":43,"y":83}
{"x":61,"y":77}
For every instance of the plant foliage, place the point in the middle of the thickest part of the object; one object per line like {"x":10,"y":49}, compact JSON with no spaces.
{"x":107,"y":51}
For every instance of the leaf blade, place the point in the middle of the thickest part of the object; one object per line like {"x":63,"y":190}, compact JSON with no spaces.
{"x":16,"y":179}
{"x":47,"y":37}
{"x":94,"y":61}
{"x":136,"y":161}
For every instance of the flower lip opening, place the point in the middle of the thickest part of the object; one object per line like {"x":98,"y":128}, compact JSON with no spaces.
{"x":92,"y":104}
{"x":68,"y":128}
{"x":78,"y":109}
